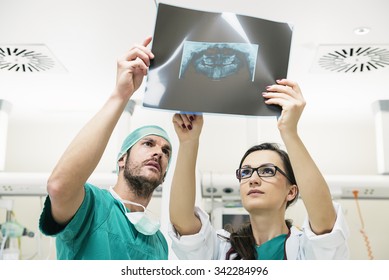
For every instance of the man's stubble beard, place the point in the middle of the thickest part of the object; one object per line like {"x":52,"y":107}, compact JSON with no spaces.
{"x":142,"y":186}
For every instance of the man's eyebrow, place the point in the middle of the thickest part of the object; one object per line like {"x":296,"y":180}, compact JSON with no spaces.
{"x":148,"y":139}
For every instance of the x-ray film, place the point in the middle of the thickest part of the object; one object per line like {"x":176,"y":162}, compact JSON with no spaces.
{"x":215,"y":62}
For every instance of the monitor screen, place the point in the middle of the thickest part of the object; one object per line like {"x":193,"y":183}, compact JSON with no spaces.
{"x":220,"y":217}
{"x":235,"y":220}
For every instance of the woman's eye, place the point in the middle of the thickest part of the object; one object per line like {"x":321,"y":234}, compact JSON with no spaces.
{"x":267,"y":170}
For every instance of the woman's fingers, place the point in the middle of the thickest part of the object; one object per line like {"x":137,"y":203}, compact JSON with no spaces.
{"x":185,"y":120}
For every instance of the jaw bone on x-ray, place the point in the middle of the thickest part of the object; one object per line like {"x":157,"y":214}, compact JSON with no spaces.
{"x":218,"y":60}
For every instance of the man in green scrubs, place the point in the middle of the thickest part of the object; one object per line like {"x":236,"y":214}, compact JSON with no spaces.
{"x":93,"y":223}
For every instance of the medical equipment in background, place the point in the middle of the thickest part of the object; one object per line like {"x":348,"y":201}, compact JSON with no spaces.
{"x":362,"y":229}
{"x":234,"y":216}
{"x":381,"y":115}
{"x":34,"y":183}
{"x":5,"y":109}
{"x":14,"y":229}
{"x":11,"y":231}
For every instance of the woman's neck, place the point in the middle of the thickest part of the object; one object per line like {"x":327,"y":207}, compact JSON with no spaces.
{"x":266,"y":227}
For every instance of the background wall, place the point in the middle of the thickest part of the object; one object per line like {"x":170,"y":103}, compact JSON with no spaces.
{"x":36,"y":143}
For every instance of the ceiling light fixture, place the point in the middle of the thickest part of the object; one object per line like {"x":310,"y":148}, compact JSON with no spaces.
{"x":28,"y":59}
{"x":351,"y":58}
{"x":355,"y":59}
{"x":361,"y":30}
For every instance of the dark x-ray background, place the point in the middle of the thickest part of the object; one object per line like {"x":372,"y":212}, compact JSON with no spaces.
{"x":195,"y":92}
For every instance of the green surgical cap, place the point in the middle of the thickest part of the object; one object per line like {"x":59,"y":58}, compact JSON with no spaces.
{"x":138,"y":134}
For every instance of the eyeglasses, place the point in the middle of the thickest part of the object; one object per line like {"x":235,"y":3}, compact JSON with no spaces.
{"x":262,"y":171}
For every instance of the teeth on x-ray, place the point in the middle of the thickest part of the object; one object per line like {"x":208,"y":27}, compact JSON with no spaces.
{"x":218,"y":60}
{"x":217,"y":63}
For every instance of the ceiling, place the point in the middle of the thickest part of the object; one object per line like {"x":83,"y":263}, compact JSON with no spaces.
{"x":86,"y":37}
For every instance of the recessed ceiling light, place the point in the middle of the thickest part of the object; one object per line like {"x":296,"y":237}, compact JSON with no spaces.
{"x":361,"y":30}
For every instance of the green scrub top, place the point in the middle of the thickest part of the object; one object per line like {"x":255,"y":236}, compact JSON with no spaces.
{"x":100,"y":230}
{"x":273,"y":249}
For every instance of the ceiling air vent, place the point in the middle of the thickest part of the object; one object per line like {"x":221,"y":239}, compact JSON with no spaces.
{"x":28,"y":59}
{"x":351,"y":59}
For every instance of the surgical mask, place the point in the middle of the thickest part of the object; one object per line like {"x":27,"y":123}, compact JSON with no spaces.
{"x":142,"y":221}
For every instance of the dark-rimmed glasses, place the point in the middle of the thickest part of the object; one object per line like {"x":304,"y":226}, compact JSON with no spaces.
{"x":268,"y":170}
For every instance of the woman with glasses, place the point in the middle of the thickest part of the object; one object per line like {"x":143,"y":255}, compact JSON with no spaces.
{"x":270,"y":180}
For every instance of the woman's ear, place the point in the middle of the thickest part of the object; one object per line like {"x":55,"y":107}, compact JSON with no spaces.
{"x":293,"y":191}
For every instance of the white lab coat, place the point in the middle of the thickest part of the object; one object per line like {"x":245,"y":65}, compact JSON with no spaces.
{"x":301,"y":244}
